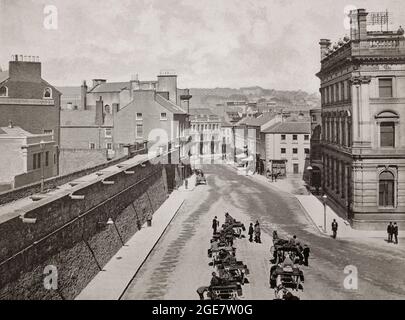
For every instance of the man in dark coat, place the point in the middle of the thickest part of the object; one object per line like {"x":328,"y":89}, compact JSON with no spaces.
{"x":395,"y":232}
{"x":215,"y":224}
{"x":306,"y":252}
{"x":250,"y":232}
{"x":334,"y":228}
{"x":389,"y":232}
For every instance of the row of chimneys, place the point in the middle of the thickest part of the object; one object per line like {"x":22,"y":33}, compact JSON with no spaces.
{"x":22,"y":58}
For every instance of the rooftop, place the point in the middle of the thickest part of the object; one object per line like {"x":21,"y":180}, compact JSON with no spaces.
{"x":81,"y":118}
{"x":290,"y":127}
{"x":3,"y":76}
{"x":257,"y":121}
{"x":110,"y":87}
{"x":15,"y":132}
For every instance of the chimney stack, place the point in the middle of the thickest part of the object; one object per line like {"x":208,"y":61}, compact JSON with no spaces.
{"x":10,"y":124}
{"x":83,"y":93}
{"x":325,"y":44}
{"x":99,"y":112}
{"x":358,"y":24}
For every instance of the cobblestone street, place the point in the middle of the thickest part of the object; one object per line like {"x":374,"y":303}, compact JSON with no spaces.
{"x":178,"y":264}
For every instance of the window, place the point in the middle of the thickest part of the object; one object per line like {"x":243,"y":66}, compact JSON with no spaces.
{"x":306,"y":137}
{"x":108,"y":133}
{"x":34,"y":161}
{"x":282,"y":150}
{"x":109,"y":146}
{"x":107,"y":109}
{"x":387,"y":134}
{"x":3,"y":91}
{"x":139,"y":116}
{"x":163,"y":116}
{"x":295,"y":150}
{"x":295,"y":137}
{"x":385,"y":88}
{"x":386,"y":189}
{"x":48,"y":93}
{"x":54,"y":158}
{"x":306,"y":150}
{"x":38,"y":165}
{"x":46,"y":158}
{"x":283,"y":137}
{"x":139,"y":130}
{"x":92,"y":145}
{"x":313,"y":118}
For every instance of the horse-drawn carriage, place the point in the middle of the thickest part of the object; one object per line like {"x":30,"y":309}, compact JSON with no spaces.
{"x":287,"y":276}
{"x":281,"y":248}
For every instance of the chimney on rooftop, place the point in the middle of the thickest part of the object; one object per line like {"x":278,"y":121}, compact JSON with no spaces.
{"x":10,"y":124}
{"x":325,"y":44}
{"x":99,"y":112}
{"x":358,"y":24}
{"x":83,"y":93}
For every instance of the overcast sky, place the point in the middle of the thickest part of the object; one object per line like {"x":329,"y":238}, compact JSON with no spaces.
{"x":209,"y":43}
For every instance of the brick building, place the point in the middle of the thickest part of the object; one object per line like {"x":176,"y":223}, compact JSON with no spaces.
{"x":363,"y":146}
{"x":27,"y":100}
{"x":25,"y":158}
{"x":287,"y":147}
{"x":112,"y":115}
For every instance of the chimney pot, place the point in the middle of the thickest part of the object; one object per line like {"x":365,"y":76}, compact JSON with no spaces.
{"x":10,"y":124}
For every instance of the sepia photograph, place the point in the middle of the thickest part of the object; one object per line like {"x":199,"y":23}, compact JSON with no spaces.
{"x":202,"y":152}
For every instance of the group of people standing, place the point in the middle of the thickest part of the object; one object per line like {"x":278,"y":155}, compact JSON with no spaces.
{"x":392,"y":230}
{"x":255,"y":231}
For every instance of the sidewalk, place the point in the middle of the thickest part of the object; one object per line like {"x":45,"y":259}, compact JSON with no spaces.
{"x":111,"y":283}
{"x":315,"y":209}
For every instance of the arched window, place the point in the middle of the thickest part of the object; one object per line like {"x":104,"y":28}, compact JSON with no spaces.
{"x":386,"y":189}
{"x":387,"y":121}
{"x":48,"y":93}
{"x":3,"y":91}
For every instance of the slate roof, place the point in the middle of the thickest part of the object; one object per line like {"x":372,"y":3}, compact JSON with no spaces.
{"x":70,"y":91}
{"x":3,"y":76}
{"x":259,"y":121}
{"x":170,"y":106}
{"x":110,"y":87}
{"x":15,"y":132}
{"x":82,"y":118}
{"x":290,"y":127}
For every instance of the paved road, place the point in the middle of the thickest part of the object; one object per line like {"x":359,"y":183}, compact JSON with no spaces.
{"x":179,"y":262}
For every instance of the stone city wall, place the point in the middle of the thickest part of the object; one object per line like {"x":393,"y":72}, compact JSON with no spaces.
{"x":72,"y":235}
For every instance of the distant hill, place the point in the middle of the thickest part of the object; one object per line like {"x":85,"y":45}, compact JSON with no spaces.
{"x":204,"y":97}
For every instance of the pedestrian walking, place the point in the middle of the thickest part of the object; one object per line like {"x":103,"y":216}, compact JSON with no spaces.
{"x":334,"y":228}
{"x":390,"y":232}
{"x":149,"y":217}
{"x":306,"y":252}
{"x":215,"y":225}
{"x":257,"y":232}
{"x":251,"y":232}
{"x":395,"y":232}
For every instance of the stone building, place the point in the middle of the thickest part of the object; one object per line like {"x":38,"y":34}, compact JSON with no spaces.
{"x":28,"y":101}
{"x":363,"y":145}
{"x":314,"y":175}
{"x":205,"y":131}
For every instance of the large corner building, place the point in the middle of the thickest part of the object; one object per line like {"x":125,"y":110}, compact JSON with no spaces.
{"x":363,"y":129}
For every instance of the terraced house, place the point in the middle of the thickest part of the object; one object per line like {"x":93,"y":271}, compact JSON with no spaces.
{"x":363,"y":129}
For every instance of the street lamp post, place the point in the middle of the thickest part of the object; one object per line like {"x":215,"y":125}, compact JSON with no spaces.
{"x":309,"y":170}
{"x":324,"y":197}
{"x":42,"y":145}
